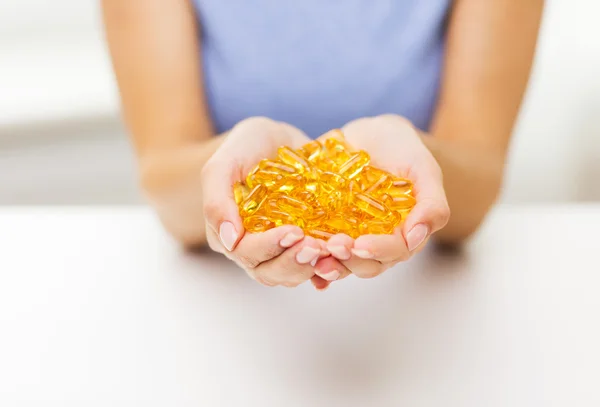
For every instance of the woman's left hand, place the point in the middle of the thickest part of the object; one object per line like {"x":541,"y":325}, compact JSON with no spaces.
{"x":396,"y":146}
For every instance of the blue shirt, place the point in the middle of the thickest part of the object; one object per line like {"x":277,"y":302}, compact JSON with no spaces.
{"x":318,"y":64}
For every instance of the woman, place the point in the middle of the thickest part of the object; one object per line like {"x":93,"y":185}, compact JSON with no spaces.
{"x":428,"y":88}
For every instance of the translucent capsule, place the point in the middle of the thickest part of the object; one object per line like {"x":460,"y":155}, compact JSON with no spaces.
{"x":305,"y":196}
{"x":266,"y":177}
{"x":331,"y":201}
{"x":311,"y":179}
{"x":315,"y":218}
{"x":329,"y":182}
{"x":371,"y":206}
{"x":400,"y":186}
{"x":398,"y":202}
{"x":342,"y":224}
{"x":293,"y":206}
{"x":355,"y":164}
{"x":376,"y":227}
{"x":280,"y":217}
{"x":254,"y":200}
{"x":319,"y":234}
{"x":281,"y":168}
{"x":258,"y":223}
{"x":379,"y":186}
{"x":240,"y":192}
{"x":311,"y":151}
{"x":291,"y":182}
{"x":290,"y":157}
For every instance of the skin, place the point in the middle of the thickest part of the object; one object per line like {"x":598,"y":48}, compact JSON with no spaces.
{"x":154,"y":49}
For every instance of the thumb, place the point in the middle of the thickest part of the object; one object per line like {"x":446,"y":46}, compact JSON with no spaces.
{"x":220,"y":210}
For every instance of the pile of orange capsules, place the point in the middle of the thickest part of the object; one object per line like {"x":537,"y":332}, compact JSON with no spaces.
{"x":324,"y":188}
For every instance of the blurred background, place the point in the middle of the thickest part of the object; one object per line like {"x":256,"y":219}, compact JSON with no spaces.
{"x":62,"y":141}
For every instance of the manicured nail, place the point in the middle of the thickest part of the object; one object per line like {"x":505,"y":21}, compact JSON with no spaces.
{"x":330,"y":275}
{"x":228,"y":235}
{"x":340,"y":252}
{"x":363,"y":254}
{"x":307,"y":254}
{"x":416,"y":236}
{"x":314,"y":261}
{"x":290,"y":239}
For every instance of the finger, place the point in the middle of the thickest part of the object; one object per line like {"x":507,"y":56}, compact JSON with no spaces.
{"x":256,"y":248}
{"x":319,"y":283}
{"x":364,"y":268}
{"x":331,"y":269}
{"x":339,"y":246}
{"x":383,"y":248}
{"x":431,"y":212}
{"x":285,"y":269}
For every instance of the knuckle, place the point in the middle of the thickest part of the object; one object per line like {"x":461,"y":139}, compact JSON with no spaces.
{"x":367,"y":273}
{"x":247,"y":262}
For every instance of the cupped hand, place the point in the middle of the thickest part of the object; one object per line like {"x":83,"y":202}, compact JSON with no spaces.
{"x":279,"y":256}
{"x":395,"y":146}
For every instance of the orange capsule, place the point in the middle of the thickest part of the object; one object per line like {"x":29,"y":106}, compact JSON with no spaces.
{"x":355,"y":164}
{"x":376,"y":227}
{"x":371,"y":206}
{"x":266,"y":177}
{"x":290,"y":157}
{"x":319,"y":234}
{"x":254,"y":200}
{"x":281,"y":168}
{"x":311,"y":151}
{"x":293,"y":206}
{"x":399,"y":202}
{"x":400,"y":186}
{"x":330,"y":182}
{"x":240,"y":192}
{"x":258,"y":223}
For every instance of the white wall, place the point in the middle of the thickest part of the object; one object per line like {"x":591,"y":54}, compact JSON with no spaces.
{"x":54,"y":69}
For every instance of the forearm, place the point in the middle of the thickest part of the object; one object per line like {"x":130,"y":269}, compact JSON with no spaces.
{"x":490,"y":51}
{"x":472,"y":181}
{"x":171,"y":182}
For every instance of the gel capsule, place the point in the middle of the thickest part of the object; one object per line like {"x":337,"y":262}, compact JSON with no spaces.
{"x":355,"y":164}
{"x":293,"y":206}
{"x":343,"y":224}
{"x":240,"y":192}
{"x":330,"y":181}
{"x":258,"y":223}
{"x":311,"y":151}
{"x":266,"y":177}
{"x":290,"y":157}
{"x":281,"y":218}
{"x":400,"y":186}
{"x":376,"y":227}
{"x":254,"y":199}
{"x":319,"y":234}
{"x":381,"y":185}
{"x":399,"y":202}
{"x":371,"y":206}
{"x":331,"y":201}
{"x":291,"y":182}
{"x":281,"y":168}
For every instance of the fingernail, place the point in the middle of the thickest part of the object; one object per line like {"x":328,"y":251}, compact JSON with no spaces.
{"x":364,"y":254}
{"x":330,"y":275}
{"x":416,"y":236}
{"x":307,"y":254}
{"x":314,"y":261}
{"x":228,"y":235}
{"x":340,"y":252}
{"x":290,"y":239}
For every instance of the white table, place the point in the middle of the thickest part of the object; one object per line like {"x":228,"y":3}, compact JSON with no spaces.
{"x":98,"y":307}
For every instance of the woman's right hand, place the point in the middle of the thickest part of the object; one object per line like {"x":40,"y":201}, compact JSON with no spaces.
{"x":279,"y":256}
